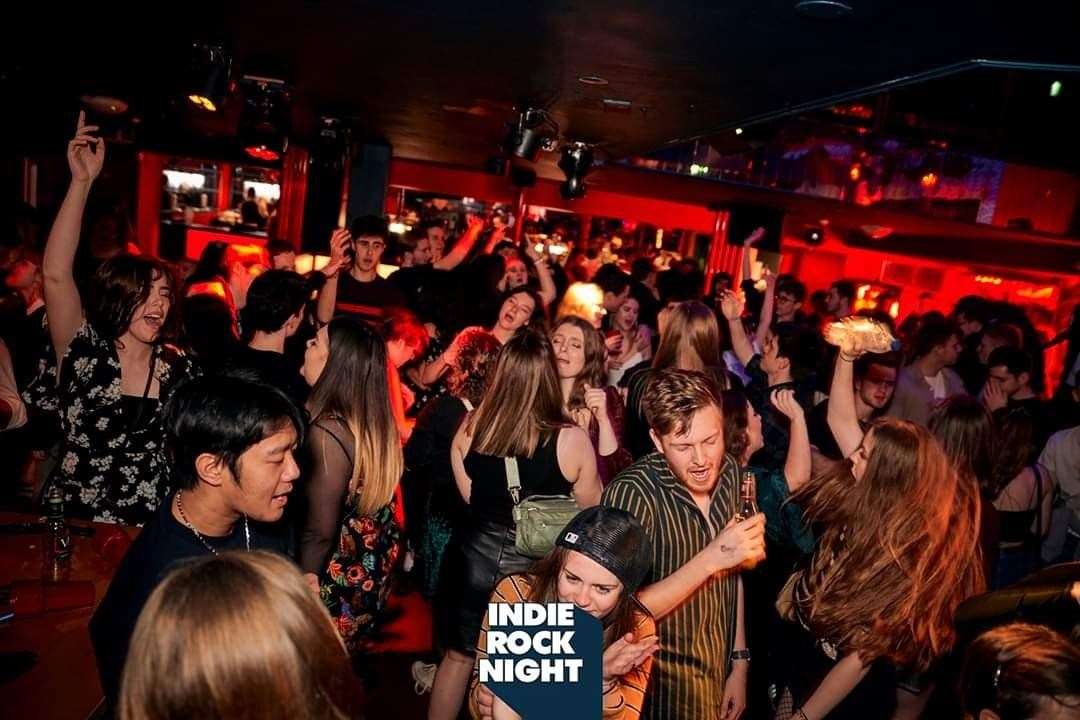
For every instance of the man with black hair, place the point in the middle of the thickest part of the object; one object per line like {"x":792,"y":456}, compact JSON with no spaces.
{"x":273,"y":314}
{"x":790,"y":294}
{"x":875,"y":381}
{"x":282,"y":254}
{"x":840,"y":301}
{"x":787,"y":359}
{"x":1008,"y":384}
{"x":231,"y":441}
{"x":353,"y":284}
{"x":615,"y":284}
{"x":929,"y":379}
{"x":971,"y":314}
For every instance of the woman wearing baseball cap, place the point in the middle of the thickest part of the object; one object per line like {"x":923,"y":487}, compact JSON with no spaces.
{"x":600,"y":560}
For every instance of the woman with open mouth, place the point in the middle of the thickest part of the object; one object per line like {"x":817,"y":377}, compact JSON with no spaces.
{"x":112,"y":371}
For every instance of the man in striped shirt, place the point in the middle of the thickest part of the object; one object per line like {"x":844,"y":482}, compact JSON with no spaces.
{"x":685,"y":495}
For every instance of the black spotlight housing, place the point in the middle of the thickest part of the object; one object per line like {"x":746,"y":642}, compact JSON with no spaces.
{"x":576,"y":161}
{"x":207,"y":76}
{"x":528,"y":135}
{"x":265,"y":120}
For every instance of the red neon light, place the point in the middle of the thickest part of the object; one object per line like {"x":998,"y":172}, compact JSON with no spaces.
{"x":261,"y":152}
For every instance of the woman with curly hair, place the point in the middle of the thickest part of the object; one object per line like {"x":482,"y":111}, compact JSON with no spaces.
{"x":432,"y":502}
{"x":897,"y":553}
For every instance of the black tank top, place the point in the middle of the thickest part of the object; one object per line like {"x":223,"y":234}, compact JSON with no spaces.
{"x":1016,"y":524}
{"x":540,"y":475}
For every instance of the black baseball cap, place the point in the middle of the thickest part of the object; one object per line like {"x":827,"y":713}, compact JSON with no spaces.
{"x":614,"y":539}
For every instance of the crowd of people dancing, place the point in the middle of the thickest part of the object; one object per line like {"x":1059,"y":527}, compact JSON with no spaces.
{"x":293,"y":445}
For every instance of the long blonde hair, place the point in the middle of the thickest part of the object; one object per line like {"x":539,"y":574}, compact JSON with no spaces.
{"x":353,"y":389}
{"x":523,"y":402}
{"x":691,"y":339}
{"x":238,"y":634}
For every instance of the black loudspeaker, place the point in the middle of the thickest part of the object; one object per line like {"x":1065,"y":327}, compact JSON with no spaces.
{"x":744,"y":219}
{"x":323,"y":202}
{"x":367,"y":181}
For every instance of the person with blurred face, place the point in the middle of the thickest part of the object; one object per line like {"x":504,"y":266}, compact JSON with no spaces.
{"x":231,"y":440}
{"x":30,"y":337}
{"x":686,"y":495}
{"x":436,"y":235}
{"x":929,"y":379}
{"x":840,"y":300}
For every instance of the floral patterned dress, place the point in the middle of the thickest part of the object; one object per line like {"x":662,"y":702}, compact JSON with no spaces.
{"x":356,"y":583}
{"x":111,"y":468}
{"x":353,"y":554}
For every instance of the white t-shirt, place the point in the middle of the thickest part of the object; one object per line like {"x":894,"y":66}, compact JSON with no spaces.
{"x":937,"y":384}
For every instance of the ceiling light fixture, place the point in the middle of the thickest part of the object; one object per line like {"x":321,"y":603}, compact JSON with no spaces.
{"x":265,"y":120}
{"x":207,"y":79}
{"x":1055,"y":88}
{"x":592,"y":80}
{"x":576,"y":161}
{"x":738,"y":131}
{"x":532,"y":131}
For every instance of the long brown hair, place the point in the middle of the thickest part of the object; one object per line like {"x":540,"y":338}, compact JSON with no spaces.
{"x":545,"y":589}
{"x":736,"y":423}
{"x":691,"y":339}
{"x":592,"y":373}
{"x":1015,"y":429}
{"x":899,"y":553}
{"x":523,"y":403}
{"x":353,"y":389}
{"x":964,"y":428}
{"x":238,"y":634}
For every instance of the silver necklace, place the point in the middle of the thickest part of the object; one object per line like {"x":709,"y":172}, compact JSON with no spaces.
{"x":189,"y":526}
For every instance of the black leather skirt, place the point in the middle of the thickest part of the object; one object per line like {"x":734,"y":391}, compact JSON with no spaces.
{"x":472,"y":567}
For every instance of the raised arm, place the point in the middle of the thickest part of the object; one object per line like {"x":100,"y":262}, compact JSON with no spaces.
{"x":63,"y":307}
{"x":463,"y":246}
{"x":543,"y":273}
{"x":842,"y":418}
{"x":732,"y":307}
{"x":497,"y":235}
{"x":797,"y":467}
{"x":766,"y":318}
{"x":339,"y":258}
{"x":747,"y":244}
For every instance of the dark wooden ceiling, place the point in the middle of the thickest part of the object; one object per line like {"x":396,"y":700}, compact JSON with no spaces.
{"x":438,"y":80}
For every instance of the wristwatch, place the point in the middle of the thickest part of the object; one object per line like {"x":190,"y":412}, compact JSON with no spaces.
{"x":743,"y":654}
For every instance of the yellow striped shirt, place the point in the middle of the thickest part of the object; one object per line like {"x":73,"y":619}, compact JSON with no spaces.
{"x":696,"y":638}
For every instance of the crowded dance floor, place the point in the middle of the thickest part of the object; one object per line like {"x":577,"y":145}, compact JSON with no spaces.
{"x":338,"y":338}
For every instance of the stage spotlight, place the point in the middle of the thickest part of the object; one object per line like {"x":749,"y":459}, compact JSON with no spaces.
{"x":207,"y":78}
{"x":529,"y":134}
{"x":265,"y":120}
{"x":576,"y":161}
